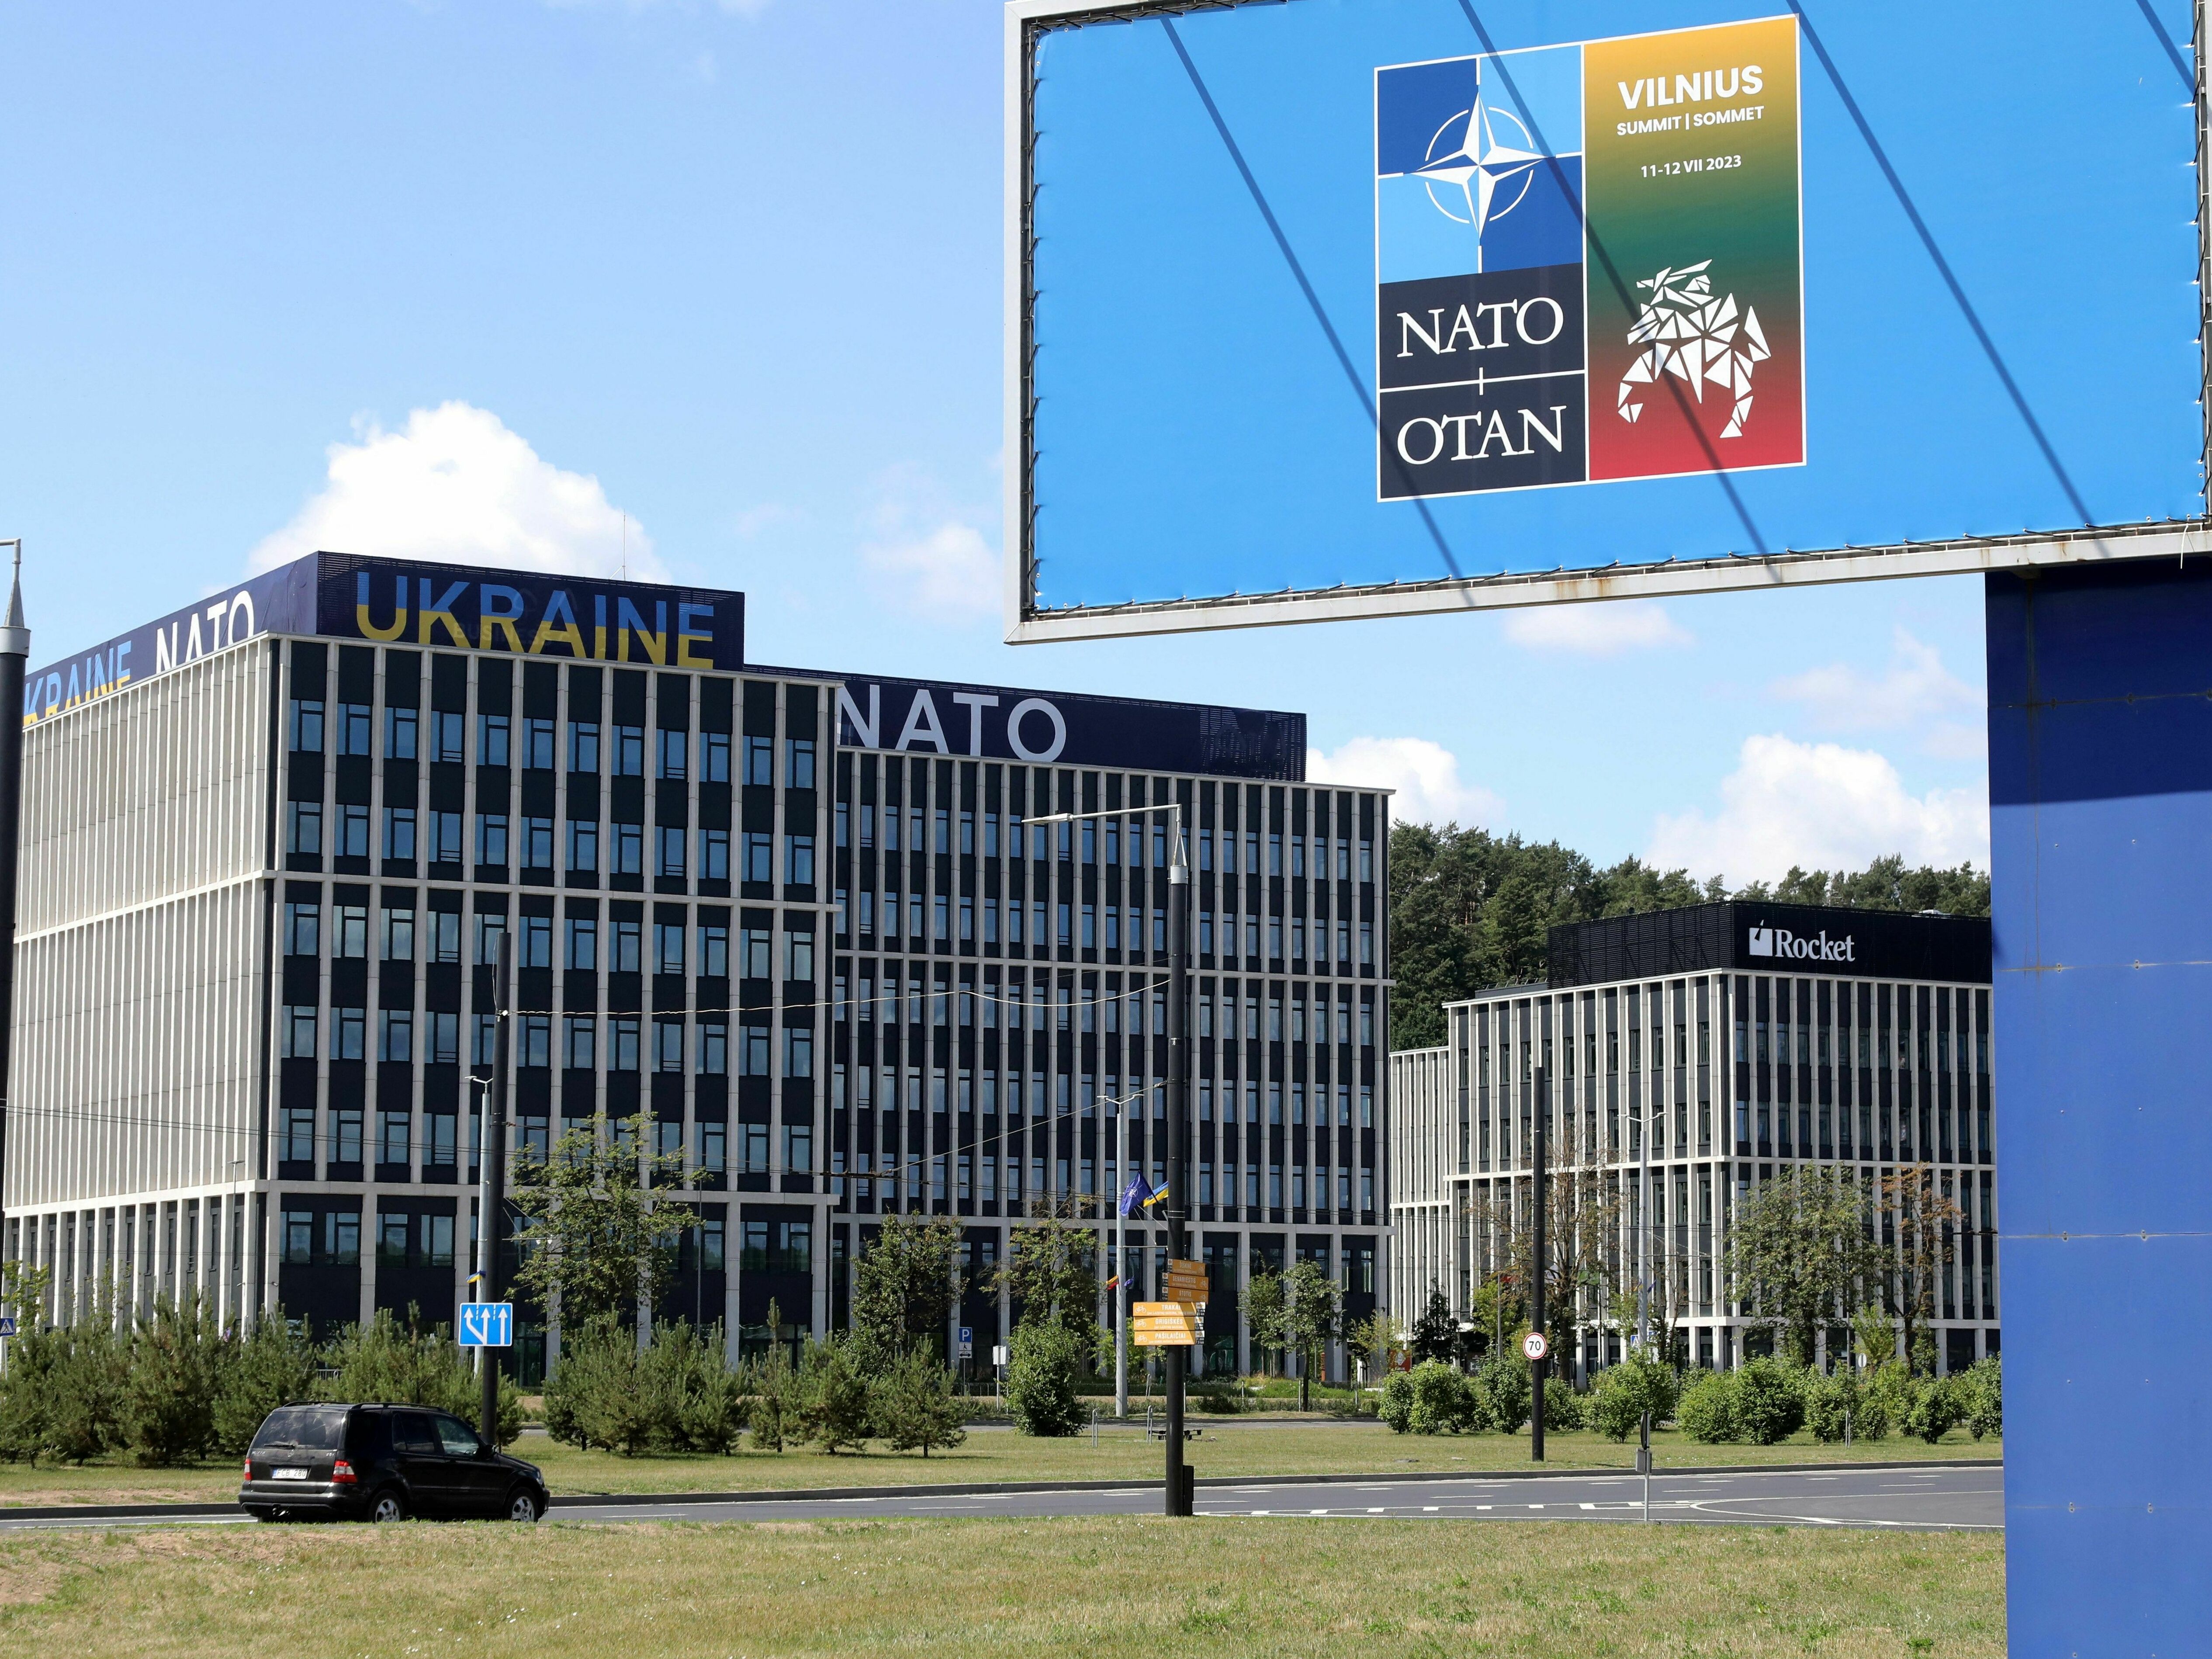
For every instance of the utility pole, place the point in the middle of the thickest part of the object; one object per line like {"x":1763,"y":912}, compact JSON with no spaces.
{"x":1178,"y":1205}
{"x":492,"y":1205}
{"x":1121,"y":1264}
{"x":14,"y":658}
{"x":1537,"y":1367}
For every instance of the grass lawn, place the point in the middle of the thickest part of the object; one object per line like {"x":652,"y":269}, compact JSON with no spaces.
{"x":1101,"y":1587}
{"x":1225,"y":1448}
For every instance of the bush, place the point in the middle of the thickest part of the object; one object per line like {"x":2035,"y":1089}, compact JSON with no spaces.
{"x":273,"y":1366}
{"x":1501,"y":1392}
{"x":915,"y":1409}
{"x":596,"y":1396}
{"x":1443,"y":1402}
{"x":406,"y":1366}
{"x":1562,"y":1406}
{"x":1933,"y":1407}
{"x":1986,"y":1397}
{"x":1769,"y":1400}
{"x":693,"y":1399}
{"x":1881,"y":1401}
{"x":833,"y":1397}
{"x":772,"y":1388}
{"x":1625,"y":1392}
{"x":1707,"y":1409}
{"x":1397,"y":1406}
{"x":1831,"y":1402}
{"x":24,"y":1392}
{"x":168,"y":1404}
{"x":1041,"y":1380}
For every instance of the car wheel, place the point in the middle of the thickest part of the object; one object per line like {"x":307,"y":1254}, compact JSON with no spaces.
{"x":387,"y":1506}
{"x":522,"y":1505}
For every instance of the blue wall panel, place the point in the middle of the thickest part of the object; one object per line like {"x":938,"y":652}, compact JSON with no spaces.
{"x":2101,"y":790}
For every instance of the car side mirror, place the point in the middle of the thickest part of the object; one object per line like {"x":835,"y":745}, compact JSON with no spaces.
{"x":485,"y":1448}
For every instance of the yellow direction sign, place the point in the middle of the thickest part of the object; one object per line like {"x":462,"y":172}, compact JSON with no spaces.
{"x":1165,"y":1325}
{"x":1186,"y":1281}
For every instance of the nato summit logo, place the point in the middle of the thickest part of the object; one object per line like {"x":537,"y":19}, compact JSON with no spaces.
{"x":1480,"y":356}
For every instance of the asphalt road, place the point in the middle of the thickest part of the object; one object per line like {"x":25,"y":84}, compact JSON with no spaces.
{"x":1925,"y":1499}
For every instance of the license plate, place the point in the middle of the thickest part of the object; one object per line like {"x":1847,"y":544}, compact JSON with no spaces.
{"x":288,"y":1474}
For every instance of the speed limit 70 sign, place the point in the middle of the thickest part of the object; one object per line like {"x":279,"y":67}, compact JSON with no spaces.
{"x":1533,"y":1345}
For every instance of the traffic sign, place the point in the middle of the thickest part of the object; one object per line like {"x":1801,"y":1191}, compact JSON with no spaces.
{"x":998,"y":1354}
{"x":966,"y":1342}
{"x":1533,"y":1345}
{"x":1187,"y":1281}
{"x":1167,"y":1325}
{"x":7,"y":1324}
{"x":486,"y":1325}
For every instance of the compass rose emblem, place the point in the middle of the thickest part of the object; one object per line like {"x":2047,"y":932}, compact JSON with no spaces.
{"x":1479,"y":165}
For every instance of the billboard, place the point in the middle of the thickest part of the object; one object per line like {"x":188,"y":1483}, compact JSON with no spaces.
{"x":1760,"y":937}
{"x":1324,"y":308}
{"x":408,"y":602}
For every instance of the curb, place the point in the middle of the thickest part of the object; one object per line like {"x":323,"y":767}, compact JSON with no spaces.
{"x":976,"y":1488}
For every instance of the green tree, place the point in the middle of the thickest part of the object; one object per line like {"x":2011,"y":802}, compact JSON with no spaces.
{"x":1919,"y":1211}
{"x":834,"y":1409}
{"x":1799,"y":1250}
{"x":772,"y":1384}
{"x":1435,"y":1334}
{"x":595,"y":1233}
{"x":915,"y":1408}
{"x":168,"y":1404}
{"x":1051,"y":1275}
{"x":1041,"y":1380}
{"x":405,"y":1365}
{"x":597,"y":1395}
{"x":1266,"y":1307}
{"x":904,"y":1284}
{"x":272,"y":1366}
{"x":1312,"y":1320}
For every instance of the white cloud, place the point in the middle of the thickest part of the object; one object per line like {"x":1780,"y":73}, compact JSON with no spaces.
{"x":1425,"y":774}
{"x":1915,"y":691}
{"x":1595,"y":629}
{"x":1822,"y":806}
{"x":455,"y":484}
{"x":935,"y":558}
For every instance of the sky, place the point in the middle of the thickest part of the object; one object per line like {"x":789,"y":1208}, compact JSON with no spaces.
{"x":711,"y":292}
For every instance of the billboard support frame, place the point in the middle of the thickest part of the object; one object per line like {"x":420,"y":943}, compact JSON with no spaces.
{"x":1027,"y":21}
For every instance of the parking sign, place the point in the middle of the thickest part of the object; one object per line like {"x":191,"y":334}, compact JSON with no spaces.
{"x":966,"y":1342}
{"x":487,"y":1325}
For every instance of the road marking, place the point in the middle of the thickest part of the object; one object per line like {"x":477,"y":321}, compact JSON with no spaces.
{"x":1259,"y":1511}
{"x":1317,"y":1511}
{"x":1430,"y":1509}
{"x":1377,"y":1510}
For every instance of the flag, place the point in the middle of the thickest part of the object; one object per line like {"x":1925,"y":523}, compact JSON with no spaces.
{"x":1156,"y":1198}
{"x":1136,"y":1195}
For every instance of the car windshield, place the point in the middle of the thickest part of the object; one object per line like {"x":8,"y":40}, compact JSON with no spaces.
{"x":303,"y":1428}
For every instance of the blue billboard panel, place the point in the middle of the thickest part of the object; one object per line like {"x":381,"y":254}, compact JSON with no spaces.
{"x":1332,"y":308}
{"x":408,"y":602}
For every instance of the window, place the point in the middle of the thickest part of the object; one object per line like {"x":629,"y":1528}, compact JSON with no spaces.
{"x":442,"y":1040}
{"x":583,"y":746}
{"x":297,"y":1130}
{"x":668,"y":1045}
{"x":713,"y":1048}
{"x":391,"y":1136}
{"x":537,"y":843}
{"x":713,"y":949}
{"x":623,"y":1042}
{"x":714,"y":757}
{"x":1366,"y":873}
{"x":668,"y":859}
{"x":799,"y":956}
{"x":353,"y":728}
{"x":538,"y":744}
{"x":533,"y":1035}
{"x":398,"y":940}
{"x":582,"y":954}
{"x":349,"y":1033}
{"x":491,"y":838}
{"x":353,"y":833}
{"x":798,"y":1157}
{"x":395,"y":1039}
{"x":753,"y":952}
{"x":306,"y":725}
{"x":399,"y":725}
{"x":667,"y":947}
{"x":714,"y":854}
{"x":709,"y":1152}
{"x":760,"y":865}
{"x":626,"y":936}
{"x":583,"y":846}
{"x":579,"y":1037}
{"x":630,"y":751}
{"x":753,"y":1137}
{"x":303,"y":928}
{"x":799,"y":860}
{"x":303,"y":828}
{"x":752,"y":1050}
{"x":399,"y":832}
{"x":798,"y":1051}
{"x":490,"y":930}
{"x":536,"y":944}
{"x":349,"y":938}
{"x":799,"y":764}
{"x":445,"y":847}
{"x":760,"y":763}
{"x":674,"y":749}
{"x":491,"y":740}
{"x":629,"y":850}
{"x":444,"y":735}
{"x":297,"y":1031}
{"x":486,"y":1050}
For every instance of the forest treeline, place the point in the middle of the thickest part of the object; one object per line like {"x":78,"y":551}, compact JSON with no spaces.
{"x":1469,"y":909}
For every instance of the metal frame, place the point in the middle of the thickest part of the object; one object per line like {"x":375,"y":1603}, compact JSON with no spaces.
{"x":1029,"y":21}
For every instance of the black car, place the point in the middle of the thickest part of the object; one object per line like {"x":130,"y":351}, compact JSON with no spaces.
{"x":382,"y":1463}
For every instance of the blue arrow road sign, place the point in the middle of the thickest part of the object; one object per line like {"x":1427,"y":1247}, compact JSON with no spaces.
{"x":487,"y":1324}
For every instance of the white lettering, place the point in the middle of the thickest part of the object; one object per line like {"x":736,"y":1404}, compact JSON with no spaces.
{"x":1630,"y":96}
{"x":1753,"y":80}
{"x":1436,"y":447}
{"x":1028,"y":705}
{"x":243,"y":602}
{"x":975,"y":703}
{"x":867,"y":733}
{"x":165,"y":648}
{"x":922,"y":725}
{"x":1408,"y":326}
{"x":192,"y":646}
{"x":1555,"y":434}
{"x":1521,"y":319}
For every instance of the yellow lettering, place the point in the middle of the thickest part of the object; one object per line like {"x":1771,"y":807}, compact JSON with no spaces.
{"x":685,"y":658}
{"x":369,"y":631}
{"x":506,"y":626}
{"x":452,"y":627}
{"x":547,"y":634}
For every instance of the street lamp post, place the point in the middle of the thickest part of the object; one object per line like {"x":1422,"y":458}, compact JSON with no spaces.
{"x":1543,"y":1362}
{"x":492,"y":1205}
{"x":1178,"y":1482}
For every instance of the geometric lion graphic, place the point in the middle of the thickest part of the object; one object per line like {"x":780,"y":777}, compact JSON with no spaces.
{"x":1695,"y":337}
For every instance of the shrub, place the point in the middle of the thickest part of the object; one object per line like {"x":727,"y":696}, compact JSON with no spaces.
{"x":694,"y":1402}
{"x":24,"y":1394}
{"x":1986,"y":1397}
{"x":1830,"y":1403}
{"x":1933,"y":1407}
{"x":1501,"y":1390}
{"x":1769,"y":1400}
{"x":1707,"y":1409}
{"x":1625,"y":1392}
{"x":1562,"y":1406}
{"x":1397,"y":1406}
{"x":274,"y":1366}
{"x":772,"y":1387}
{"x":1443,"y":1403}
{"x":168,"y":1406}
{"x":596,"y":1396}
{"x":86,"y":1390}
{"x":406,"y":1366}
{"x":1881,"y":1401}
{"x":833,"y":1397}
{"x":1041,"y":1380}
{"x":915,"y":1409}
